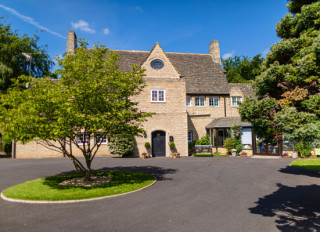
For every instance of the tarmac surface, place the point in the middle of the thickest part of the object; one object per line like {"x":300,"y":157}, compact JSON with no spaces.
{"x":191,"y":194}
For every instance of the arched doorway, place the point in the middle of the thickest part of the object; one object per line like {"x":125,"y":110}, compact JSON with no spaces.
{"x":158,"y":143}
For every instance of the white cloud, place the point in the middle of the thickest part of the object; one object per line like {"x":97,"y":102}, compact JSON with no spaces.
{"x":83,"y":26}
{"x":30,"y":21}
{"x":228,"y":55}
{"x":106,"y":31}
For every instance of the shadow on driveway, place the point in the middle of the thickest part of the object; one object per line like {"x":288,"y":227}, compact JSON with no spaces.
{"x":295,"y":208}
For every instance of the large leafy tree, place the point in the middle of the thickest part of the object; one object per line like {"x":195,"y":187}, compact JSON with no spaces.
{"x":288,"y":89}
{"x":242,"y":69}
{"x":13,"y":63}
{"x":92,"y":99}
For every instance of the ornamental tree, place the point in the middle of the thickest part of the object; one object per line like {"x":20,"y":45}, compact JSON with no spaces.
{"x":288,"y":89}
{"x":92,"y":99}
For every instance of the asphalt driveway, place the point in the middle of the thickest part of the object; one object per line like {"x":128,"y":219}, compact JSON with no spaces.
{"x":192,"y":194}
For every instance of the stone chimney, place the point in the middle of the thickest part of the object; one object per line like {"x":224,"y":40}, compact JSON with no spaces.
{"x":71,"y":42}
{"x":214,"y":51}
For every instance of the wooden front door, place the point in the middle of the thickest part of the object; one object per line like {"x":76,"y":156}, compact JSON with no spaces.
{"x":158,"y":143}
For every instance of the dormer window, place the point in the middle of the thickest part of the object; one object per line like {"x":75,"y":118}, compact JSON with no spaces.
{"x":157,"y":64}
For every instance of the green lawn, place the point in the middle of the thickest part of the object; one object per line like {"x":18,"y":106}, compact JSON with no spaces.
{"x":48,"y":188}
{"x":312,"y":165}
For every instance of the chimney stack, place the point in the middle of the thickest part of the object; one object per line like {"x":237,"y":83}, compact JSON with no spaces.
{"x":214,"y":51}
{"x":71,"y":42}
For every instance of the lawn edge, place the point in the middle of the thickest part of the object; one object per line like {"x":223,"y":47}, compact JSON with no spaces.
{"x":73,"y":201}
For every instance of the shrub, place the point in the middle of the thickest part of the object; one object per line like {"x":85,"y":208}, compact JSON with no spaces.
{"x":172,"y":145}
{"x":203,"y":141}
{"x":6,"y":144}
{"x":229,"y":144}
{"x":304,"y":149}
{"x":121,"y":145}
{"x":147,"y":145}
{"x":191,"y":145}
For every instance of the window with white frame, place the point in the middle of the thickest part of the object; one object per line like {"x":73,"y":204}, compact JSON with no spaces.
{"x":188,"y":101}
{"x":158,"y":95}
{"x":235,"y":101}
{"x":100,"y":139}
{"x":83,"y":138}
{"x":214,"y":101}
{"x":190,"y":136}
{"x":200,"y":101}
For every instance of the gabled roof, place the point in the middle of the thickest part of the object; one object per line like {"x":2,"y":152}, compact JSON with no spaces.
{"x":227,"y":122}
{"x":202,"y":75}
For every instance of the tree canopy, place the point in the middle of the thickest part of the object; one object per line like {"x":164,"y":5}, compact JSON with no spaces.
{"x":242,"y":69}
{"x":91,"y":101}
{"x":13,"y":63}
{"x":287,"y":90}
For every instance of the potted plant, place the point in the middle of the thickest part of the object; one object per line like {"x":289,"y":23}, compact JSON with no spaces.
{"x":172,"y":146}
{"x":144,"y":155}
{"x":233,"y":152}
{"x":147,"y":145}
{"x":176,"y":155}
{"x":244,"y":154}
{"x":286,"y":155}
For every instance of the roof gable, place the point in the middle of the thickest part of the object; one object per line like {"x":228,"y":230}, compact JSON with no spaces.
{"x":167,"y":71}
{"x":202,"y":75}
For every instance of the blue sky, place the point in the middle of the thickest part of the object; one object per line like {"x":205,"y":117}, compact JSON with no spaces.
{"x":243,"y":27}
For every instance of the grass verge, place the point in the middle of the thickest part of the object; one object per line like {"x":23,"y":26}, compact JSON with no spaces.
{"x":312,"y":165}
{"x":48,"y":188}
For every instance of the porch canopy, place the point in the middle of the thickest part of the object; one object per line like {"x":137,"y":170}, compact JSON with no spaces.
{"x":227,"y":122}
{"x":218,"y":129}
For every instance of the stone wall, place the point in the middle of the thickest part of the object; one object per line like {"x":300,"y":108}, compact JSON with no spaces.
{"x":35,"y":150}
{"x":170,"y":117}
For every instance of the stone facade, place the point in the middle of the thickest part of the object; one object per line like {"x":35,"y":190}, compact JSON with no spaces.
{"x":177,"y":77}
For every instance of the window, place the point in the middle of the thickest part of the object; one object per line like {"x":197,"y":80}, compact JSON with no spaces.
{"x":157,"y":64}
{"x":188,"y":101}
{"x":214,"y":101}
{"x":158,"y":95}
{"x":200,"y":101}
{"x":83,"y":139}
{"x":235,"y":101}
{"x":190,"y":136}
{"x":100,"y":139}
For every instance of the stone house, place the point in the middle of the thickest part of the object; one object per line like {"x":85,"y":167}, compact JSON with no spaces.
{"x":189,"y":94}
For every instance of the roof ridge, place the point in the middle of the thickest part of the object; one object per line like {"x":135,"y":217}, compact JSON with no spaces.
{"x":115,"y":50}
{"x":189,"y":53}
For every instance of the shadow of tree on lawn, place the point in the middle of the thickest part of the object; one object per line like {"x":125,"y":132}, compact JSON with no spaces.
{"x":128,"y":175}
{"x":295,"y":208}
{"x":158,"y":172}
{"x":299,"y":171}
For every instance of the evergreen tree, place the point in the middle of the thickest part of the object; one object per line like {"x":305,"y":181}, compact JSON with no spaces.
{"x":288,"y":89}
